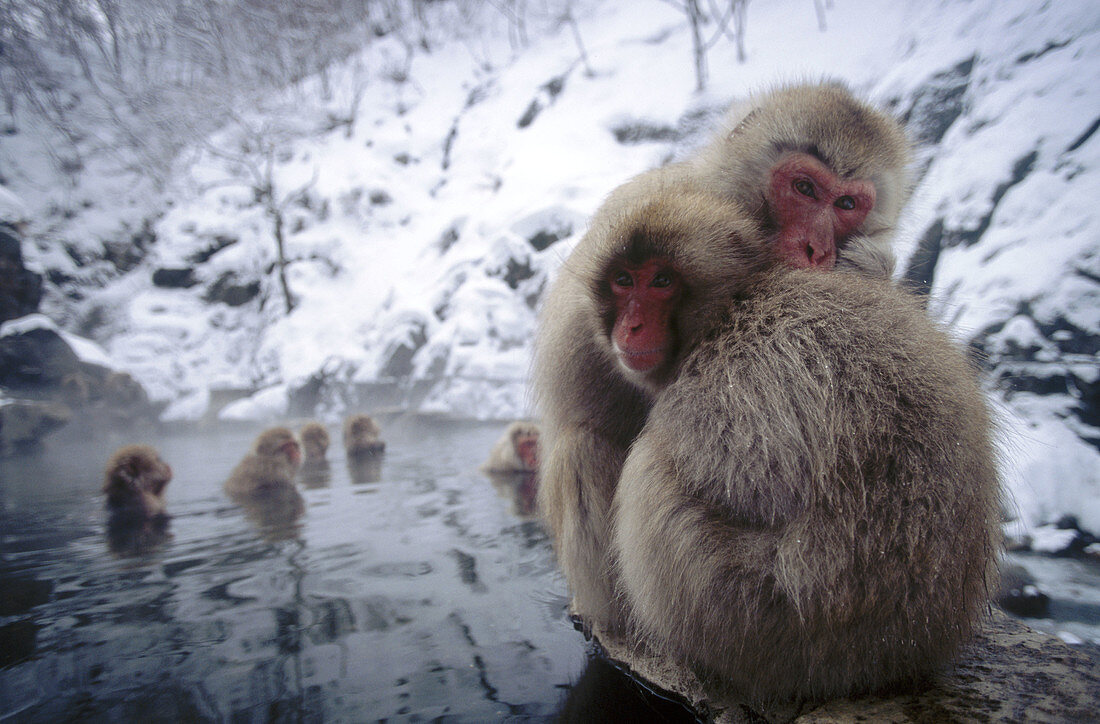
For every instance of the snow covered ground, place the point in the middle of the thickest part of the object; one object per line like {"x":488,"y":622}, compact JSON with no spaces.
{"x":421,"y":241}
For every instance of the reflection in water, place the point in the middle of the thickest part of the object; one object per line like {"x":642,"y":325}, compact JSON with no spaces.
{"x":274,"y":510}
{"x":521,"y":489}
{"x":315,"y":474}
{"x":418,"y":598}
{"x":365,"y":467}
{"x":130,"y":536}
{"x":604,"y":693}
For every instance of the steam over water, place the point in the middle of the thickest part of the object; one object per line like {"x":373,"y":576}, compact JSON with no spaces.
{"x":412,"y":589}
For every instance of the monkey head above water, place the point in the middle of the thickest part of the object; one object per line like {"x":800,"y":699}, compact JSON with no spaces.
{"x":134,"y":483}
{"x":517,"y":450}
{"x":315,"y":441}
{"x":362,"y":436}
{"x":271,"y":463}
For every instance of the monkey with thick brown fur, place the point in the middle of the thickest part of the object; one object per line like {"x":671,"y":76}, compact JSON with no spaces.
{"x":812,"y":508}
{"x":270,"y":465}
{"x":517,"y":450}
{"x":315,"y":442}
{"x":134,"y":482}
{"x":594,"y":399}
{"x":362,"y":436}
{"x":825,"y":174}
{"x":315,"y":471}
{"x":630,"y":312}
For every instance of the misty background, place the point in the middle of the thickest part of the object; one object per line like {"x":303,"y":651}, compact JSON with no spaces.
{"x":262,"y":210}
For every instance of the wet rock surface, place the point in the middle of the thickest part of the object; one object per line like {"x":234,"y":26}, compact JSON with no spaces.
{"x":1010,"y":672}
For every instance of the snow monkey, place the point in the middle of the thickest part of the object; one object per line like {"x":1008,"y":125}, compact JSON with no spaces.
{"x":271,"y":464}
{"x":822,"y":172}
{"x":812,"y":507}
{"x":517,"y":450}
{"x":638,"y":290}
{"x":362,"y":436}
{"x":134,"y":483}
{"x":314,"y":442}
{"x":808,"y":177}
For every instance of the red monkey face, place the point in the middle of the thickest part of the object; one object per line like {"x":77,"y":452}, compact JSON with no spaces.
{"x":292,"y":451}
{"x":815,"y":209}
{"x":527,"y":448}
{"x":645,"y":297}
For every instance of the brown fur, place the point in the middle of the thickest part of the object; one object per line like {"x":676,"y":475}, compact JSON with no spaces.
{"x":271,"y":464}
{"x":135,"y":481}
{"x":504,"y":458}
{"x":315,"y":442}
{"x":812,"y":508}
{"x":362,"y":436}
{"x":824,"y":119}
{"x":713,"y":204}
{"x":591,"y":410}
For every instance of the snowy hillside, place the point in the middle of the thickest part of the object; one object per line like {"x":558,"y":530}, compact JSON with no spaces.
{"x":420,"y":237}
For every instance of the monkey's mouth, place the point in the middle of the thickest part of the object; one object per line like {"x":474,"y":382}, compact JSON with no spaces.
{"x":642,"y":360}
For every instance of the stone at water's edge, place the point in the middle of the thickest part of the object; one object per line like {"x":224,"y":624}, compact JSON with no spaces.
{"x":1008,"y":673}
{"x":23,"y":423}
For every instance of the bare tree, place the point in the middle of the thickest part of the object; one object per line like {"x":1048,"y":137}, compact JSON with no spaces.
{"x":568,"y":18}
{"x":729,"y":21}
{"x":250,"y":156}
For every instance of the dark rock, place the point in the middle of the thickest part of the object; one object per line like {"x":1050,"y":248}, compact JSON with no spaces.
{"x":1009,"y":672}
{"x":174,"y":278}
{"x":230,"y":290}
{"x":631,"y":133}
{"x":1052,"y":356}
{"x":24,"y":423}
{"x":1020,"y":594}
{"x":219,"y":242}
{"x":547,"y":93}
{"x":20,"y":288}
{"x":36,"y":359}
{"x":939,"y":103}
{"x":399,"y":354}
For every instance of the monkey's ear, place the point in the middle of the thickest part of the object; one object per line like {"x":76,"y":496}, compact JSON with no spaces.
{"x":740,"y":127}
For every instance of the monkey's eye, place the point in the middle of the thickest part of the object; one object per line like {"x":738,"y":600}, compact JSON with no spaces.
{"x":805,"y":188}
{"x":661,"y":280}
{"x":846,"y":203}
{"x":622,"y":279}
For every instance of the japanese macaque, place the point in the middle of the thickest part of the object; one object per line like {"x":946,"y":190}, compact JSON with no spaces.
{"x":823,"y":173}
{"x":629,"y":302}
{"x":315,"y":442}
{"x":812,"y":507}
{"x":315,"y":472}
{"x":362,"y":436}
{"x":269,"y":466}
{"x":275,"y":511}
{"x":364,"y":468}
{"x":134,"y":483}
{"x":808,"y":177}
{"x":517,"y":450}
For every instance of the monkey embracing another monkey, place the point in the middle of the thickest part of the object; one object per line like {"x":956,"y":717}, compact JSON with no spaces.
{"x":809,"y":176}
{"x":812,"y":507}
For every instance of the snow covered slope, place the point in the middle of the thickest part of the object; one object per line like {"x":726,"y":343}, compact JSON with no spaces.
{"x":420,"y":241}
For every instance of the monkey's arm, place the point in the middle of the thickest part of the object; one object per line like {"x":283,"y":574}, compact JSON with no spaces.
{"x":577,"y":483}
{"x":685,"y":564}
